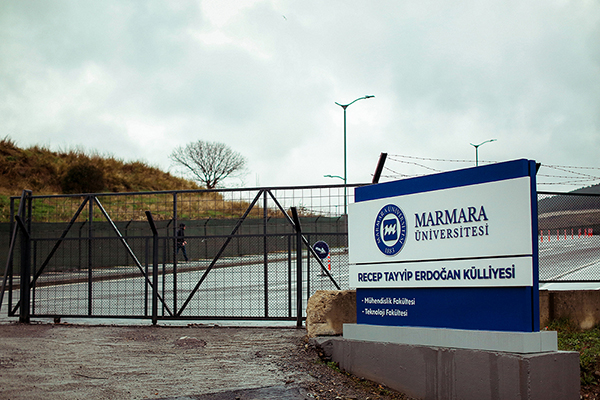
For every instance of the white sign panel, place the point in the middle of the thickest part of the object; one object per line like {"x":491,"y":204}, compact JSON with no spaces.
{"x":483,"y":227}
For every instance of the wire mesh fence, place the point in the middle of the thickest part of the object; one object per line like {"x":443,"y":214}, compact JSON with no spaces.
{"x":569,"y":241}
{"x":92,"y":255}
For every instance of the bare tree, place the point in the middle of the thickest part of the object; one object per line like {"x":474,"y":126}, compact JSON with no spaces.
{"x":209,"y":162}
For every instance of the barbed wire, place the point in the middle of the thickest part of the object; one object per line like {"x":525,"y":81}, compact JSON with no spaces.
{"x":392,"y":156}
{"x":572,"y":167}
{"x":397,"y":174}
{"x":574,"y":178}
{"x":570,"y":183}
{"x":571,"y":172}
{"x":555,"y":176}
{"x":419,"y":165}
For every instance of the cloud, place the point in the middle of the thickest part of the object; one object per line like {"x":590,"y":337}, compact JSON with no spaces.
{"x":137,"y":79}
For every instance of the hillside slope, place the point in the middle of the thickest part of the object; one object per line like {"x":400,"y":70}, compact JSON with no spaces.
{"x":48,"y":172}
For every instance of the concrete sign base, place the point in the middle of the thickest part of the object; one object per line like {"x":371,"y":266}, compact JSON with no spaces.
{"x":448,"y":373}
{"x":513,"y":342}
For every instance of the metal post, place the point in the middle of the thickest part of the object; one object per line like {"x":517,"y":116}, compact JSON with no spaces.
{"x":299,"y":307}
{"x":289,"y":276}
{"x":164,"y":278}
{"x":80,"y":262}
{"x":380,"y":164}
{"x":175,"y":253}
{"x":25,"y":223}
{"x":90,"y":252}
{"x":25,"y":272}
{"x":344,"y":106}
{"x":155,"y":279}
{"x":8,"y":272}
{"x":205,"y":240}
{"x":146,"y":257}
{"x":477,"y":150}
{"x":154,"y":268}
{"x":32,"y":285}
{"x":265,"y":256}
{"x":126,"y":258}
{"x":345,"y":167}
{"x":307,"y":270}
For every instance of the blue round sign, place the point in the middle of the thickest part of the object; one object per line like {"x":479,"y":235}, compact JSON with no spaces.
{"x":390,"y":230}
{"x":322,"y":249}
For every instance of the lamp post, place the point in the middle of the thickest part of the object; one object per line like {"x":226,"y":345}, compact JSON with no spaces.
{"x":477,"y":150}
{"x":344,"y":106}
{"x":338,"y":177}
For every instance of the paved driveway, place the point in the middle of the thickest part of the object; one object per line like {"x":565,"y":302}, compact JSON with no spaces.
{"x":45,"y":361}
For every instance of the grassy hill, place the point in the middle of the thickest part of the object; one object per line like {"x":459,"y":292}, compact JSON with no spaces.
{"x":56,"y":172}
{"x":49,"y":172}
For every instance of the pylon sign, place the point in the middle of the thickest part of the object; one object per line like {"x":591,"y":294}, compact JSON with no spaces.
{"x":451,"y":250}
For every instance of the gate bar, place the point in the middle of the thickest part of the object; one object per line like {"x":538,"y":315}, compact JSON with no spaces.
{"x":298,"y":267}
{"x":25,"y":272}
{"x":154,"y":267}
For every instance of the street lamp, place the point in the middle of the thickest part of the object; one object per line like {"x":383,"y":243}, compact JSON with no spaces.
{"x":477,"y":150}
{"x":344,"y":106}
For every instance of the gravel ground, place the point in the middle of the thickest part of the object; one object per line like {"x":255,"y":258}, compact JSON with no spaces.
{"x":64,"y":361}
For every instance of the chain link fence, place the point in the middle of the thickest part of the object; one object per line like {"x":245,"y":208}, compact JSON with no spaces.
{"x":569,"y":237}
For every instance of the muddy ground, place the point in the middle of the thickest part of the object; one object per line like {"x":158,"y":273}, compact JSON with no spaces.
{"x":63,"y":361}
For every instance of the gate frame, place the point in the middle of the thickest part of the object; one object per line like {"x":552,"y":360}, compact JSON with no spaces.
{"x":22,"y":221}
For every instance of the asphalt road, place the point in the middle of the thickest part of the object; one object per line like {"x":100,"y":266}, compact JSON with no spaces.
{"x":239,"y":290}
{"x":107,"y":362}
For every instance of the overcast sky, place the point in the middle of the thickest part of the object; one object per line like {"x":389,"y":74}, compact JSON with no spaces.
{"x":135,"y":79}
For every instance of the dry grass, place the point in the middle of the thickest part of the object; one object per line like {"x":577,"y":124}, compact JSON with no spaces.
{"x":43,"y":171}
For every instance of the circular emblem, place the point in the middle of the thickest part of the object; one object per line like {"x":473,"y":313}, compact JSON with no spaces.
{"x":390,"y":230}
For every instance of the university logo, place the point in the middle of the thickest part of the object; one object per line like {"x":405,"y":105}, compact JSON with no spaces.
{"x":390,"y":230}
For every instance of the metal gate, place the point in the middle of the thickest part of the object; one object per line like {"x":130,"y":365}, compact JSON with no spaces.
{"x":116,"y":256}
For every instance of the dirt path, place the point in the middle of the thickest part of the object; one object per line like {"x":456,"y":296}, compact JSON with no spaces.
{"x":45,"y":361}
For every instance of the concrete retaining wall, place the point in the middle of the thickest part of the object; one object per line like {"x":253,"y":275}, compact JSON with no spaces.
{"x":444,"y":373}
{"x":580,"y":307}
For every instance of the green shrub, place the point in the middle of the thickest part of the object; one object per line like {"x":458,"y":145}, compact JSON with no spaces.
{"x":83,"y":177}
